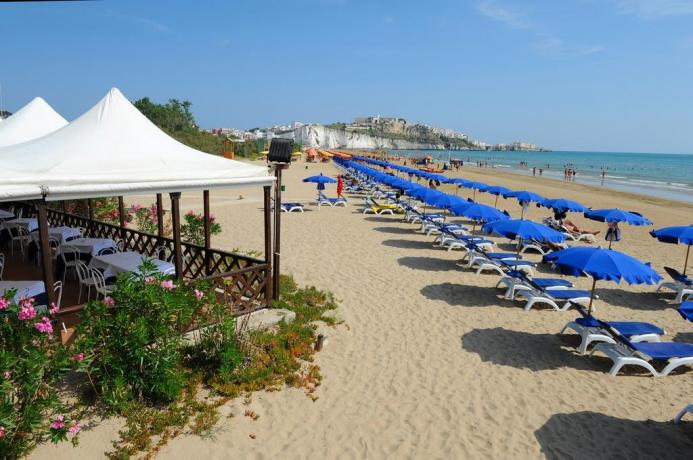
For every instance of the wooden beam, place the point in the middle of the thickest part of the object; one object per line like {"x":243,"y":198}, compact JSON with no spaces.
{"x":160,"y":214}
{"x":268,"y":241}
{"x":90,"y":208}
{"x":122,"y":216}
{"x":177,"y":243}
{"x":207,"y":229}
{"x":45,"y":250}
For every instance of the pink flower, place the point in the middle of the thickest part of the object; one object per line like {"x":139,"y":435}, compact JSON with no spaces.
{"x":54,"y":309}
{"x":74,"y":429}
{"x":79,"y":357}
{"x":26,"y":303}
{"x":58,"y":423}
{"x":44,"y":326}
{"x":27,"y":312}
{"x":7,"y":375}
{"x":35,"y":342}
{"x":149,"y":280}
{"x":2,"y":431}
{"x":4,"y":303}
{"x":199,"y":294}
{"x":168,"y":285}
{"x":108,"y":301}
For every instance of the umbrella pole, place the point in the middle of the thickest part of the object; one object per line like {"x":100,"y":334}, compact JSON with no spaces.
{"x":594,"y":284}
{"x":495,"y":203}
{"x":685,"y":264}
{"x":517,"y":254}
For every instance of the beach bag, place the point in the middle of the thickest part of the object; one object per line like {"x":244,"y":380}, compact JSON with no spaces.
{"x":613,"y":233}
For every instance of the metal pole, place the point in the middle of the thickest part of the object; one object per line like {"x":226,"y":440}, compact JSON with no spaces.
{"x":121,"y":215}
{"x":685,"y":264}
{"x":594,"y":284}
{"x":267,"y":191}
{"x":160,"y":215}
{"x":207,"y":228}
{"x":277,"y":230}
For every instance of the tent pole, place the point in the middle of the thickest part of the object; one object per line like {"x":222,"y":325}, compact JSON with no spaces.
{"x":160,"y":215}
{"x":90,"y":209}
{"x":207,"y":229}
{"x":685,"y":264}
{"x":495,"y":203}
{"x":45,"y":250}
{"x":177,"y":244}
{"x":594,"y":285}
{"x":267,"y":191}
{"x":121,"y":215}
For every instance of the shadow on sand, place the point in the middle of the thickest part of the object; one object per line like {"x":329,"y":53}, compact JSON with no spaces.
{"x":634,"y":300}
{"x":591,"y":435}
{"x":525,"y":350}
{"x":464,"y":295}
{"x":430,"y":264}
{"x":386,"y":218}
{"x":396,"y":230}
{"x":408,"y":244}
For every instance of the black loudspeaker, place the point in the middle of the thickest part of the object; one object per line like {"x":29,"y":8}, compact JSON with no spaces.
{"x":280,"y":150}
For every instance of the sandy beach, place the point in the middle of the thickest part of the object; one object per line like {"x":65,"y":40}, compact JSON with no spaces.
{"x":431,"y":361}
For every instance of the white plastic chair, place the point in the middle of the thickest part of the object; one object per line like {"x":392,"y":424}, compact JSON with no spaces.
{"x":22,"y":237}
{"x":120,"y":245}
{"x":74,"y":258}
{"x":2,"y":264}
{"x":85,"y":279}
{"x":100,"y":283}
{"x":165,"y":250}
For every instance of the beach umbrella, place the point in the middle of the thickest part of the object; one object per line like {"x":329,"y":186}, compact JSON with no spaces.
{"x":614,"y":216}
{"x":446,"y":201}
{"x":475,"y":186}
{"x":563,"y":205}
{"x":676,"y":235}
{"x":521,"y":229}
{"x":478,"y":212}
{"x":320,"y":180}
{"x":496,"y":190}
{"x":524,"y":197}
{"x":602,"y":264}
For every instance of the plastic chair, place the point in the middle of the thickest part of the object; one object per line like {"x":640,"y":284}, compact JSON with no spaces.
{"x":2,"y":264}
{"x":85,"y":279}
{"x":100,"y":283}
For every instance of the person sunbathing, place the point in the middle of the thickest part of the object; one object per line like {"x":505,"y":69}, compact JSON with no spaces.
{"x":575,"y":229}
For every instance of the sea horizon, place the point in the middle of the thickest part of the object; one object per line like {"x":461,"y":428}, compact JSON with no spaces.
{"x":661,"y":175}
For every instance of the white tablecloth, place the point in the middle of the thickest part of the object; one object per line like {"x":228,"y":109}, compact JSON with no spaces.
{"x":30,"y":223}
{"x":91,"y":245}
{"x":24,"y":288}
{"x":63,"y":234}
{"x":122,"y":262}
{"x":6,"y":214}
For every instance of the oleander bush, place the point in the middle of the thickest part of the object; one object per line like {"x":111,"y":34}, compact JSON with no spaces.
{"x":32,"y":366}
{"x":193,"y":230}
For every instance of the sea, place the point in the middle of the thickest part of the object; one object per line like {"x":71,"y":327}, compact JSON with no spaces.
{"x":659,"y":175}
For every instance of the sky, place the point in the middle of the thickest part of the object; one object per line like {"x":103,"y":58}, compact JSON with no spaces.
{"x":597,"y":75}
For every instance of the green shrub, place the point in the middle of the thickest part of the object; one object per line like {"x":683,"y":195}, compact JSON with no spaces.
{"x":32,"y":365}
{"x":193,"y":230}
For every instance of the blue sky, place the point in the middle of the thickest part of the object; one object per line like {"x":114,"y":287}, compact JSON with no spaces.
{"x":609,"y":75}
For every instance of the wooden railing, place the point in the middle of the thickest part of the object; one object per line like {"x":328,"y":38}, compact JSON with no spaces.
{"x":240,"y":281}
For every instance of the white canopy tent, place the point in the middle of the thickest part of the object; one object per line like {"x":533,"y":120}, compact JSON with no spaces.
{"x":32,"y":121}
{"x":113,"y":149}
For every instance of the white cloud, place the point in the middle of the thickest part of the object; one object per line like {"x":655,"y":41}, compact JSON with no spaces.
{"x":655,"y":8}
{"x":499,"y":13}
{"x":159,"y":27}
{"x":553,"y":46}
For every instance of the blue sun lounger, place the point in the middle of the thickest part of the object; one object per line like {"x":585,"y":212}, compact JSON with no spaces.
{"x":292,"y":207}
{"x":625,"y":352}
{"x":686,"y":310}
{"x":516,"y":280}
{"x":591,"y":330}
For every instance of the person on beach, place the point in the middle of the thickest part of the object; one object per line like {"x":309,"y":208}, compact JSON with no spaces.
{"x":534,"y":171}
{"x":340,"y":186}
{"x":541,"y":171}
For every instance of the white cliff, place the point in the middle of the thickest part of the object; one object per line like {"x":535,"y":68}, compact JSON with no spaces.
{"x":327,"y":138}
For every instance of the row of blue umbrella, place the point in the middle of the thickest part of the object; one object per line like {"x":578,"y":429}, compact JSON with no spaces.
{"x":598,"y":263}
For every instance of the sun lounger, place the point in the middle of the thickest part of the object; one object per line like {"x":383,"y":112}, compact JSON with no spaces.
{"x":498,"y":262}
{"x":686,"y":310}
{"x":373,"y":207}
{"x":465,"y":242}
{"x":571,"y":231}
{"x":625,"y":352}
{"x":681,"y":284}
{"x":590,"y":330}
{"x":437,"y":228}
{"x":552,"y":297}
{"x":516,"y":280}
{"x":686,"y":410}
{"x":292,"y":207}
{"x":541,"y":248}
{"x":331,"y":202}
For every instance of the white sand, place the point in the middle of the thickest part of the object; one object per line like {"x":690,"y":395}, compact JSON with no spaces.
{"x":432,"y":363}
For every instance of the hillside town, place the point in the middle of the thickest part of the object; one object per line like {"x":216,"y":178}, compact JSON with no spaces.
{"x":373,"y":131}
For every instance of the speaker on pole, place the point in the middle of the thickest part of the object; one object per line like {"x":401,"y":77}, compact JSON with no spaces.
{"x":280,"y":150}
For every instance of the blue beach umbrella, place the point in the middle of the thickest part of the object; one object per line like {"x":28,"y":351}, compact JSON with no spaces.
{"x":478,"y":212}
{"x":496,"y":190}
{"x":521,"y":229}
{"x":563,"y":205}
{"x":524,"y":197}
{"x":320,"y":180}
{"x":615,"y":216}
{"x":602,"y":264}
{"x":446,"y":201}
{"x":676,"y":235}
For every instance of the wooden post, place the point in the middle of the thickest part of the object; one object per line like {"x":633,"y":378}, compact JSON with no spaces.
{"x":268,"y":241}
{"x":45,"y":250}
{"x":160,"y":215}
{"x":121,"y":215}
{"x":177,"y":244}
{"x":207,"y":229}
{"x":277,"y":230}
{"x":90,"y":209}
